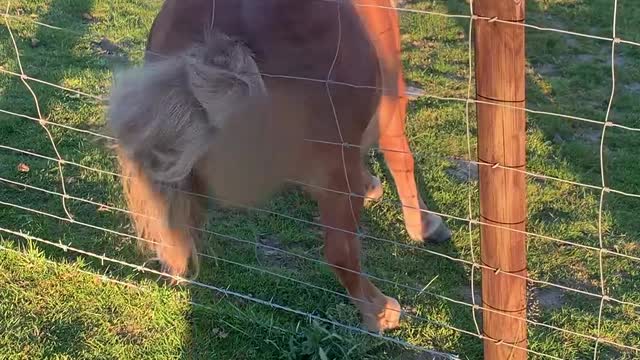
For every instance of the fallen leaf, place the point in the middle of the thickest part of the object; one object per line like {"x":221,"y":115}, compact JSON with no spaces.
{"x":87,"y":16}
{"x":35,"y":42}
{"x":23,"y":168}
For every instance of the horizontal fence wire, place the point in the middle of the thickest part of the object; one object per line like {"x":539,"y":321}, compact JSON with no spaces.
{"x":603,"y":189}
{"x":413,"y":247}
{"x":396,"y":203}
{"x":418,"y":290}
{"x":369,"y":87}
{"x":270,"y":303}
{"x":225,"y":292}
{"x":361,"y":3}
{"x":346,"y":144}
{"x":141,"y":288}
{"x":314,"y":223}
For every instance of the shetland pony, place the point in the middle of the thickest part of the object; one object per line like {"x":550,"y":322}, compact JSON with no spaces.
{"x":238,"y":97}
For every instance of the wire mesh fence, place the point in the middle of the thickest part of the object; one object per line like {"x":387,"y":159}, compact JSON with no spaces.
{"x":83,"y":209}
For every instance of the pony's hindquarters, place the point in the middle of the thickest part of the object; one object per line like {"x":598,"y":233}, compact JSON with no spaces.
{"x":167,"y":117}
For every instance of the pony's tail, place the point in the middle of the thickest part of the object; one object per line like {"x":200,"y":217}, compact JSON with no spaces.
{"x":164,"y":116}
{"x":165,"y":113}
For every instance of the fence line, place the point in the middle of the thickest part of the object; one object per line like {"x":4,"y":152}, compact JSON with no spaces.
{"x":143,"y":269}
{"x":421,"y":249}
{"x":467,"y":115}
{"x":406,"y":94}
{"x":356,"y":223}
{"x":470,"y":17}
{"x":419,"y":291}
{"x":27,"y":77}
{"x":377,"y":149}
{"x":602,"y":176}
{"x":108,"y":279}
{"x":404,"y":10}
{"x":225,"y":292}
{"x":430,"y":252}
{"x":296,"y":182}
{"x":346,"y":144}
{"x":47,"y":122}
{"x":37,"y":105}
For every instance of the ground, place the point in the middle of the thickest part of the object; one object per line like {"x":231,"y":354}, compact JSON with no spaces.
{"x":51,"y":306}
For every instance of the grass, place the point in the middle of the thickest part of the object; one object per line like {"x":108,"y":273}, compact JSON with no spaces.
{"x":50,"y":307}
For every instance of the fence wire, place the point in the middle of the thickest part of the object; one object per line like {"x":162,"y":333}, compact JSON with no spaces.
{"x":418,"y":290}
{"x":602,"y":176}
{"x":602,"y":188}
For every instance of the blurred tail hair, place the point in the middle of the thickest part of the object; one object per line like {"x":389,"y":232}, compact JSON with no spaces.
{"x":164,"y":116}
{"x":165,"y":113}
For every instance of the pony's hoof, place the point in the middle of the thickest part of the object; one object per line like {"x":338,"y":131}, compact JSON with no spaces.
{"x":373,"y":191}
{"x":432,"y":230}
{"x":383,"y":315}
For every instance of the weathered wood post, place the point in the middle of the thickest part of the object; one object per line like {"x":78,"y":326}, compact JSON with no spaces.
{"x":500,"y":80}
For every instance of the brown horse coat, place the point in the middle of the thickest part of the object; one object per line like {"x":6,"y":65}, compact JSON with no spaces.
{"x":239,"y":96}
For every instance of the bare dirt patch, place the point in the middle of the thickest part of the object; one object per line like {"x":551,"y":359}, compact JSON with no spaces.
{"x":463,"y":171}
{"x":465,"y":292}
{"x":549,"y":298}
{"x":271,"y":252}
{"x":633,"y":87}
{"x":546,"y":69}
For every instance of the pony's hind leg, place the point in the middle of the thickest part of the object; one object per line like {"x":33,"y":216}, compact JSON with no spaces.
{"x":388,"y":132}
{"x":342,"y":251}
{"x":340,"y":215}
{"x":382,"y":23}
{"x":165,"y":218}
{"x":420,"y":224}
{"x":373,"y":190}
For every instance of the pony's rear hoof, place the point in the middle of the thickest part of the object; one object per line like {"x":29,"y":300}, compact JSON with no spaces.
{"x":373,"y":191}
{"x":437,"y":230}
{"x":429,"y":229}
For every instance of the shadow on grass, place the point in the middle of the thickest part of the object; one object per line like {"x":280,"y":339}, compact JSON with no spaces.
{"x":75,"y":59}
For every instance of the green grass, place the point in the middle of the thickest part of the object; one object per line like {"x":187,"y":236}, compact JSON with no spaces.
{"x":51,"y":308}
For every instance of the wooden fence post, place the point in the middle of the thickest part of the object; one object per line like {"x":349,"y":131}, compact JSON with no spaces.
{"x":500,"y":80}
